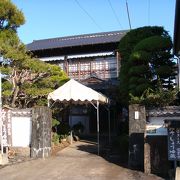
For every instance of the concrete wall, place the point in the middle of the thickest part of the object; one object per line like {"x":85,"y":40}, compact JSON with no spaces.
{"x":177,"y":173}
{"x":137,"y":122}
{"x":28,"y":130}
{"x":41,"y":132}
{"x":158,"y":141}
{"x":148,"y":146}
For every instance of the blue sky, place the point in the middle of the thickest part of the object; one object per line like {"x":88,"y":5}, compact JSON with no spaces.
{"x":57,"y":18}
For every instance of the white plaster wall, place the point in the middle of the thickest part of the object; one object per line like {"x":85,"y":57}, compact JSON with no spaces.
{"x":158,"y":124}
{"x":21,"y":131}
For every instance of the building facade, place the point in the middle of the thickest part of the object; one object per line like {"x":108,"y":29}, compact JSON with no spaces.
{"x":82,"y":56}
{"x":93,"y":60}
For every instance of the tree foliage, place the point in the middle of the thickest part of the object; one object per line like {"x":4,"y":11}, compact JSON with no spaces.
{"x":28,"y":80}
{"x":146,"y":59}
{"x":155,"y":98}
{"x":10,"y":16}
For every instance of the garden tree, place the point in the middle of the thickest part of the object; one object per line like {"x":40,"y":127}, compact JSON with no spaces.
{"x":10,"y":16}
{"x":155,"y":98}
{"x":146,"y":60}
{"x":28,"y":80}
{"x":151,"y":60}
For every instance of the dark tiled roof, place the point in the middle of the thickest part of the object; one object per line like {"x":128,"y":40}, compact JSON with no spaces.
{"x":79,"y":40}
{"x":169,"y":111}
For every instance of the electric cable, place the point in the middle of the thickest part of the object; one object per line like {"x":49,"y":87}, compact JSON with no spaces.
{"x":114,"y":12}
{"x":86,"y":12}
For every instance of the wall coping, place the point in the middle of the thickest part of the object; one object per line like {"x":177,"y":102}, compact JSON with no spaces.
{"x":163,"y":111}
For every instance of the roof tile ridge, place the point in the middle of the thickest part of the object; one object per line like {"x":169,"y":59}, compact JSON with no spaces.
{"x":82,"y":36}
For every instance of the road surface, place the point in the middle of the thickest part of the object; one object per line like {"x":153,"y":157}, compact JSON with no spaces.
{"x":76,"y":162}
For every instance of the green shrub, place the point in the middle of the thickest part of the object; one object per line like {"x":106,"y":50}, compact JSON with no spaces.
{"x":55,"y":138}
{"x":64,"y":129}
{"x":78,"y":128}
{"x":55,"y":122}
{"x":155,"y":98}
{"x":62,"y":136}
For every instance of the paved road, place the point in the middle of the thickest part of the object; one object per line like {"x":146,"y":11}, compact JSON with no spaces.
{"x":72,"y":163}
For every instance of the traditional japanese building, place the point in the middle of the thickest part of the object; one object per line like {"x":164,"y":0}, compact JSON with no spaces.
{"x":87,"y":58}
{"x":92,"y":59}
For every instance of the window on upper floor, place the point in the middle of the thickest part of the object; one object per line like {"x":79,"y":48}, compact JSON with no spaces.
{"x":85,"y":66}
{"x":73,"y":67}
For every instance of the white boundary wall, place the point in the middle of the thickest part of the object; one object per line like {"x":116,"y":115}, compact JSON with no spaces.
{"x":21,"y":131}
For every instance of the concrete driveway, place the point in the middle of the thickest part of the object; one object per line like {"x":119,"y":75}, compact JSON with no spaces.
{"x":76,"y":162}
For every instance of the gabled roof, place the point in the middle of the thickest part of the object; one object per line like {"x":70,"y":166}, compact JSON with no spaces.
{"x":92,"y":79}
{"x":79,"y":40}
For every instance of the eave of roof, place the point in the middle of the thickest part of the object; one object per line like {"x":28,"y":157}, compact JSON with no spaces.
{"x":61,"y":58}
{"x":177,"y":29}
{"x":169,"y":111}
{"x":79,"y":40}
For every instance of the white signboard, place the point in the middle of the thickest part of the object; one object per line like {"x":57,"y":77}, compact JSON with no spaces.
{"x":21,"y":131}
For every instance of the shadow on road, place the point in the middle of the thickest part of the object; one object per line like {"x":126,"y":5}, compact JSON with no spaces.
{"x":106,"y":151}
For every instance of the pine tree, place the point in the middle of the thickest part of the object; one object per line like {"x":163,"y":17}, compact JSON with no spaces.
{"x":146,"y":58}
{"x":27,"y":80}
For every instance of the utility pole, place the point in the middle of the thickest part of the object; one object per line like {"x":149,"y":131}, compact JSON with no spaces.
{"x":128,"y":14}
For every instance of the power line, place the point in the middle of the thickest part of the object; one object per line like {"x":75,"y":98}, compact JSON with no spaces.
{"x":128,"y":15}
{"x":86,"y":12}
{"x":114,"y":12}
{"x":148,"y":12}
